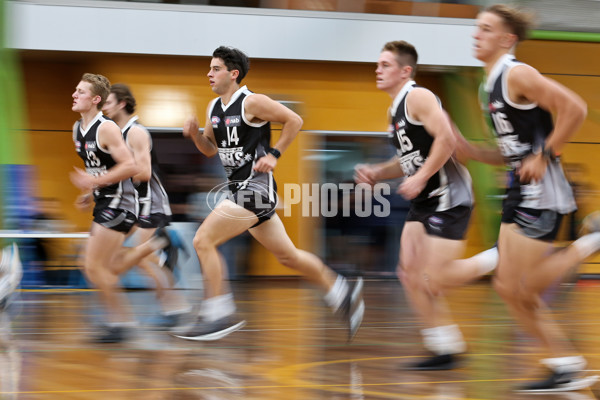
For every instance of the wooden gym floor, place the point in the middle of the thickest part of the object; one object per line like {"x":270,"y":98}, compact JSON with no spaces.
{"x":291,"y":348}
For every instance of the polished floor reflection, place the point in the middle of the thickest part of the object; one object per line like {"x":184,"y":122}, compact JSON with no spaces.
{"x":291,"y":348}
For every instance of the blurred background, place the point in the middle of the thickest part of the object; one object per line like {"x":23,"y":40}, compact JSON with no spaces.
{"x":315,"y":56}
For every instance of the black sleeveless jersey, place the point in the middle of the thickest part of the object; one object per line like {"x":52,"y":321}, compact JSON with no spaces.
{"x":447,"y":188}
{"x":522,"y":129}
{"x":240,"y":143}
{"x":98,"y":161}
{"x":152,"y":196}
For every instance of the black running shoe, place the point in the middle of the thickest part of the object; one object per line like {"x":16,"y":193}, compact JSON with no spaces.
{"x":439,"y":362}
{"x":112,"y":334}
{"x":352,"y":308}
{"x":559,"y":382}
{"x":204,"y":330}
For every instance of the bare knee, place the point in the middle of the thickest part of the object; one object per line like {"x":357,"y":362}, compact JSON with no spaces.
{"x":202,"y":243}
{"x":100,"y":276}
{"x":507,"y":293}
{"x":517,"y":296}
{"x":288,"y":258}
{"x":410,"y":277}
{"x":433,"y":285}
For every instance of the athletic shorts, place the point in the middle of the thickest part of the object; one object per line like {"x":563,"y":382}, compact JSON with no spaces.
{"x":255,"y":202}
{"x":157,"y":220}
{"x":535,"y":224}
{"x":450,"y":224}
{"x":115,"y":219}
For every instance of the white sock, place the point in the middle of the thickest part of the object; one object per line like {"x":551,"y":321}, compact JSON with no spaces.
{"x":487,"y":260}
{"x":564,"y":365}
{"x":588,"y":244}
{"x":337,"y":293}
{"x":444,"y":340}
{"x":217,"y":307}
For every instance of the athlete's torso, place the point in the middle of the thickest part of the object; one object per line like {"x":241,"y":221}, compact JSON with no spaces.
{"x":447,"y":188}
{"x":152,"y":196}
{"x":240,"y":143}
{"x":98,"y":161}
{"x":520,"y":130}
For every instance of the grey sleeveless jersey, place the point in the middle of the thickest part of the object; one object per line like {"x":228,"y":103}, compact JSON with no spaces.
{"x":152,"y":196}
{"x":522,"y":129}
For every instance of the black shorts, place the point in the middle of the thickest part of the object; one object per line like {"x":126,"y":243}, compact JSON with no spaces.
{"x":157,"y":220}
{"x":450,"y":224}
{"x":115,"y":219}
{"x":535,"y":224}
{"x":255,"y":202}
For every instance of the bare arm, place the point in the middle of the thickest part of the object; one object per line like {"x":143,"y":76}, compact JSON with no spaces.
{"x":466,"y":150}
{"x":527,"y":85}
{"x":139,"y":142}
{"x":372,"y":173}
{"x":423,"y":106}
{"x":110,"y":138}
{"x":204,"y":141}
{"x":258,"y":108}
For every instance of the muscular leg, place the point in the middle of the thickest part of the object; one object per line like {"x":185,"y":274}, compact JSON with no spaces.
{"x":411,"y":270}
{"x":228,"y":220}
{"x":272,"y":235}
{"x":517,"y":283}
{"x":102,"y":244}
{"x":145,"y":247}
{"x":423,"y":259}
{"x":344,"y":300}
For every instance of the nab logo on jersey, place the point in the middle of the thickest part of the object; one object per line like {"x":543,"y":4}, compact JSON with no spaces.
{"x":215,"y":121}
{"x":91,"y":146}
{"x":495,"y":105}
{"x":400,"y":124}
{"x":234,"y":120}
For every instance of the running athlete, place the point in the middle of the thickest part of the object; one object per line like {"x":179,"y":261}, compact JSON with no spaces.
{"x":439,"y":189}
{"x":109,"y":165}
{"x":238,"y":130}
{"x":521,"y":102}
{"x":154,"y":208}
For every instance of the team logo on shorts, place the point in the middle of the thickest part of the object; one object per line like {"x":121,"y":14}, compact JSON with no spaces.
{"x":108,"y":215}
{"x":435,"y":222}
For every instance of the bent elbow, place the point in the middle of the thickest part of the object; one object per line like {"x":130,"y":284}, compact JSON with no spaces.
{"x":583,"y":109}
{"x":144,"y":176}
{"x":211,"y":153}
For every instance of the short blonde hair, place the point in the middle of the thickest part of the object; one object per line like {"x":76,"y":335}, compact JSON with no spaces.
{"x":100,"y":86}
{"x":518,"y":21}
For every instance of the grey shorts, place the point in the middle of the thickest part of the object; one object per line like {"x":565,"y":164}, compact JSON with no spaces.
{"x":535,"y":224}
